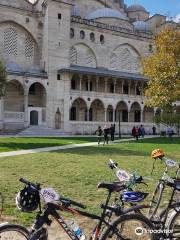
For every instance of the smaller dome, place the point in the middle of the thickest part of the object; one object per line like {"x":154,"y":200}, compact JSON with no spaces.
{"x":142,"y":26}
{"x":106,"y":13}
{"x":75,"y":11}
{"x":135,"y":8}
{"x":13,"y":67}
{"x":34,"y":69}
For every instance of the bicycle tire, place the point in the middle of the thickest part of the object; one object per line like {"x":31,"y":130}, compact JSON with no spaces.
{"x":12,"y":230}
{"x":157,"y":197}
{"x":173,"y":226}
{"x":121,"y":221}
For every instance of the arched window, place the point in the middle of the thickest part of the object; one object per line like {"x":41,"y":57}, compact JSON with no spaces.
{"x":102,"y":39}
{"x":82,"y":34}
{"x":71,"y":32}
{"x":10,"y":41}
{"x":92,"y":37}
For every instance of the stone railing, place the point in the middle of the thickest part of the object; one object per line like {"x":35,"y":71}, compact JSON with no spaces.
{"x":14,"y":116}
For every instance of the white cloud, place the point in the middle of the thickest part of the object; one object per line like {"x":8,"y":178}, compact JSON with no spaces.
{"x":177,"y":18}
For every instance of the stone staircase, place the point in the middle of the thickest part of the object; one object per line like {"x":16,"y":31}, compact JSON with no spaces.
{"x":42,"y":131}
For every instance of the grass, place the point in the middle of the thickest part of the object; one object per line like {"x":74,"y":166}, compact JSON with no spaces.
{"x":13,"y":143}
{"x":75,"y":173}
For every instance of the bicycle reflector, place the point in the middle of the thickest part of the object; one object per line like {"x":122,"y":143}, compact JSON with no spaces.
{"x":27,"y":200}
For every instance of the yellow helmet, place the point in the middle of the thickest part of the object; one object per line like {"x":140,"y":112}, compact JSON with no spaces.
{"x":157,"y":153}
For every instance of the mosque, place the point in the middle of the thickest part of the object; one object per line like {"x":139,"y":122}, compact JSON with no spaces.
{"x":74,"y":65}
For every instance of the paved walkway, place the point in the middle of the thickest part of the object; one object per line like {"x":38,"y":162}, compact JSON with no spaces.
{"x":57,"y":148}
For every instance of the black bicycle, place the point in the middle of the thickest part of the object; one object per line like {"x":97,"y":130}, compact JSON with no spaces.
{"x":128,"y":225}
{"x":168,"y":219}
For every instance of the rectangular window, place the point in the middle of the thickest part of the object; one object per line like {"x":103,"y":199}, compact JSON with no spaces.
{"x":59,"y":15}
{"x":125,"y":89}
{"x":58,"y":77}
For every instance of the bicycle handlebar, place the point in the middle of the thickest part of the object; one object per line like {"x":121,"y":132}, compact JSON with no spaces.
{"x":30,"y":184}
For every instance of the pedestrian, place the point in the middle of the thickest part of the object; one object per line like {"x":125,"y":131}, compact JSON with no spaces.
{"x":106,"y":132}
{"x":141,"y":131}
{"x":98,"y":133}
{"x":112,"y":132}
{"x":170,"y":133}
{"x":136,"y":133}
{"x":154,"y":130}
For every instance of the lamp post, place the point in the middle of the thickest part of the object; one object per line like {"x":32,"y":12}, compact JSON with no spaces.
{"x":119,"y":118}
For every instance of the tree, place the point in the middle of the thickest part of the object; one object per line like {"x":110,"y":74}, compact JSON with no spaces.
{"x":169,"y":119}
{"x":3,"y":80}
{"x":163,"y":70}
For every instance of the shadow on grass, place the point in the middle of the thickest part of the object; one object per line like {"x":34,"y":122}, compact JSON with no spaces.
{"x":105,"y":150}
{"x":160,"y":140}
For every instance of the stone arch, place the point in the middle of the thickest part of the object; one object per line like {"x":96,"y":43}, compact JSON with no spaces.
{"x":14,"y":98}
{"x":125,"y":58}
{"x":148,"y":114}
{"x":78,"y":110}
{"x":97,"y":111}
{"x":121,"y":112}
{"x":82,"y":55}
{"x":18,"y":45}
{"x":37,"y":95}
{"x":135,"y":112}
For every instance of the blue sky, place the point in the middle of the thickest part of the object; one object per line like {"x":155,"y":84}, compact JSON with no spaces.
{"x":169,"y":7}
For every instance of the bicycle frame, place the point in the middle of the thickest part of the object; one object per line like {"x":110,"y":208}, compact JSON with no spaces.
{"x":51,"y":210}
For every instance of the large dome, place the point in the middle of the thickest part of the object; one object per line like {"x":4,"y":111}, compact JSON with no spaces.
{"x":135,"y":8}
{"x":106,"y":13}
{"x":142,"y":26}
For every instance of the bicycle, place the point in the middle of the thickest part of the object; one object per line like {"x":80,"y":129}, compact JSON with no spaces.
{"x":103,"y":229}
{"x":171,"y":224}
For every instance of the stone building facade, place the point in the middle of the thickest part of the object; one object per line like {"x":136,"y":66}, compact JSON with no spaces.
{"x":74,"y":65}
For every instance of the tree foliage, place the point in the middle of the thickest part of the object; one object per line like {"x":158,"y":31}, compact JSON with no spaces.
{"x":3,"y":80}
{"x":163,"y":70}
{"x":169,"y":119}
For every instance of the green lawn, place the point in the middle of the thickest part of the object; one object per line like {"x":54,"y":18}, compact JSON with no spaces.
{"x":13,"y":144}
{"x":75,"y":173}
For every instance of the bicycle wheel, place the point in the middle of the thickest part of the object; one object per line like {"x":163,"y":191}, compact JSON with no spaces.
{"x":173,"y":226}
{"x":157,"y":196}
{"x":13,"y":232}
{"x":129,"y":227}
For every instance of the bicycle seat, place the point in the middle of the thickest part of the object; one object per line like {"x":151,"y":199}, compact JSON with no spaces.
{"x":112,"y":187}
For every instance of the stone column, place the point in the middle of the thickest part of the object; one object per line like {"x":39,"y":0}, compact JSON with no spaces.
{"x":88,"y":114}
{"x":105,"y":113}
{"x":1,"y":111}
{"x":142,"y":88}
{"x":122,"y":86}
{"x":128,"y":115}
{"x":88,"y":85}
{"x":80,"y":84}
{"x":142,"y":119}
{"x":129,"y":87}
{"x":26,"y":109}
{"x":114,"y":85}
{"x":114,"y":120}
{"x":106,"y":81}
{"x":97,"y":84}
{"x":135,"y":89}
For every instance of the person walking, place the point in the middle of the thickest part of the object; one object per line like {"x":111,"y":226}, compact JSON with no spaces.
{"x":141,"y":131}
{"x":154,"y":130}
{"x":106,"y":132}
{"x":112,"y":131}
{"x":170,"y":133}
{"x":136,"y":133}
{"x":98,"y":133}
